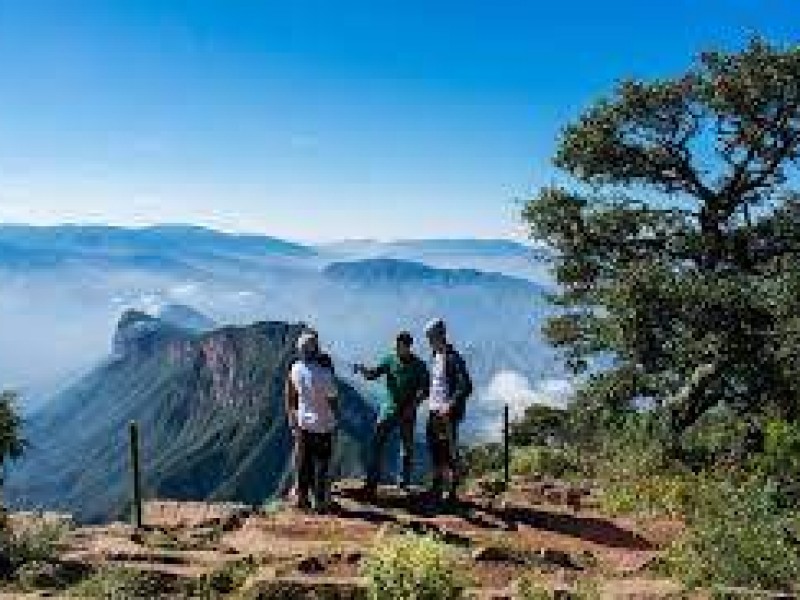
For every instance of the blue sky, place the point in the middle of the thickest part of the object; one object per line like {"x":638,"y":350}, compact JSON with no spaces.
{"x":318,"y":120}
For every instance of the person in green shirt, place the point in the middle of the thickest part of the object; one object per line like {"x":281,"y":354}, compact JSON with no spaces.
{"x":407,"y":384}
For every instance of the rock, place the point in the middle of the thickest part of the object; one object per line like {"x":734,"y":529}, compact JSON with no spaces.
{"x":311,"y":565}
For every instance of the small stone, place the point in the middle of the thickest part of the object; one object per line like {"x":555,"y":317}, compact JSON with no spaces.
{"x":311,"y":565}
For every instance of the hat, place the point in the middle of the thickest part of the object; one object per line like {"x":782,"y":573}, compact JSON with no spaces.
{"x":305,"y":339}
{"x":435,"y":326}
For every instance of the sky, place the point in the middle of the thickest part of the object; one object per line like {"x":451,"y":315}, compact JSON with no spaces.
{"x":322,"y":120}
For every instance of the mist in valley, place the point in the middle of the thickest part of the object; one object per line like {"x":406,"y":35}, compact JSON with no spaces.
{"x":57,"y":322}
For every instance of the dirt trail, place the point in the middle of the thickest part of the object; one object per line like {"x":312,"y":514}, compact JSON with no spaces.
{"x":500,"y":541}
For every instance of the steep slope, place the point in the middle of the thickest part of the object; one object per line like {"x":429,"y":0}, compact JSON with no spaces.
{"x":210,"y":410}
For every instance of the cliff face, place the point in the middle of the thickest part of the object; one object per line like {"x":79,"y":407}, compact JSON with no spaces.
{"x":210,"y":409}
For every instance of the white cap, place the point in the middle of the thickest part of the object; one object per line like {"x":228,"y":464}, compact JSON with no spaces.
{"x":305,"y":339}
{"x":435,"y":326}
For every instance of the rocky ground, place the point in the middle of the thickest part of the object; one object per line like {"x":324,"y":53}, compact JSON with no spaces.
{"x":544,"y":529}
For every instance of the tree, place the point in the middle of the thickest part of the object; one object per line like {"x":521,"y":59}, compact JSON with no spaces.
{"x":11,"y":442}
{"x":676,"y":238}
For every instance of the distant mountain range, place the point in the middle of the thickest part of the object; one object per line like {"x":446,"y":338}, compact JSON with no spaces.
{"x":179,"y":247}
{"x":210,"y":408}
{"x":189,"y":297}
{"x":381,"y":271}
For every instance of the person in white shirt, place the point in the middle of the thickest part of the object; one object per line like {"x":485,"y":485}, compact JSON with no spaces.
{"x":311,"y":407}
{"x":450,"y":386}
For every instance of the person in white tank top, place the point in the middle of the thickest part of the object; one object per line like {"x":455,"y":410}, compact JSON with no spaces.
{"x":311,"y":394}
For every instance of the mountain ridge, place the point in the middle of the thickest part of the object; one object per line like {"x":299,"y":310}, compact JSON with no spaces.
{"x":211,"y":415}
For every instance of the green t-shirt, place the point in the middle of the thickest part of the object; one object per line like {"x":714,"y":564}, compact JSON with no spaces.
{"x":403,"y":382}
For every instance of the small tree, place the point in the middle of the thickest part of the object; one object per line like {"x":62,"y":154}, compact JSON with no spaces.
{"x":11,"y":442}
{"x":676,"y":243}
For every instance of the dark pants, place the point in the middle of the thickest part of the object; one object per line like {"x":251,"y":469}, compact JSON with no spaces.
{"x":442,"y":434}
{"x":405,"y":421}
{"x":313,"y":453}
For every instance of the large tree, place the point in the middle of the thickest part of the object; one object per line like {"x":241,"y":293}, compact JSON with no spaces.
{"x":676,"y":236}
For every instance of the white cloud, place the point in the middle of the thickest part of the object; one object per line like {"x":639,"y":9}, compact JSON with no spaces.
{"x":485,"y":414}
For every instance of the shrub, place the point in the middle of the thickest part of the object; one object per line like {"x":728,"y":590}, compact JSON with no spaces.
{"x":411,"y":567}
{"x":539,"y":460}
{"x":34,"y":542}
{"x":531,"y":588}
{"x":649,"y":495}
{"x":483,"y":459}
{"x":738,"y":536}
{"x":223,"y":581}
{"x":121,"y":582}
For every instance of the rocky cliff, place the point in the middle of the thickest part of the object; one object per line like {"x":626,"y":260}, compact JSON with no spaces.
{"x":210,"y":409}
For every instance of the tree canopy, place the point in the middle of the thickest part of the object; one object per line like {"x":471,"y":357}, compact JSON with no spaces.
{"x":675,"y":239}
{"x":11,"y":442}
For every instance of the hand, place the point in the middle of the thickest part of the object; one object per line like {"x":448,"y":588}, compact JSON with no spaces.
{"x":294,"y":425}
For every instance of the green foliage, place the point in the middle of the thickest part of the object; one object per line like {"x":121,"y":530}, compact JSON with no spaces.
{"x":483,"y":459}
{"x":541,"y":426}
{"x":738,"y":536}
{"x":780,"y":458}
{"x":11,"y":442}
{"x":410,"y":567}
{"x":692,"y":288}
{"x":533,"y":461}
{"x":36,"y":541}
{"x":121,"y":582}
{"x":531,"y":588}
{"x":223,"y":581}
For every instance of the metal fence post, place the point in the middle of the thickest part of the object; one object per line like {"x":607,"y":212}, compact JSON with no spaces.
{"x":506,"y":448}
{"x":136,"y":483}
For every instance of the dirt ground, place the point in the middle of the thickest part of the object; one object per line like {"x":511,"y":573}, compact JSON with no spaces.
{"x":553,"y":538}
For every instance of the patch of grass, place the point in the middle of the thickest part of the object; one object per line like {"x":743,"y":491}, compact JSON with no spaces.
{"x":411,"y":567}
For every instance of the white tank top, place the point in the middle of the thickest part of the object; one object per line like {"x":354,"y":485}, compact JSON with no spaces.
{"x":315,"y":386}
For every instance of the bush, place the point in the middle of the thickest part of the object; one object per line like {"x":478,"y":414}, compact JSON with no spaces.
{"x":530,"y":588}
{"x":411,"y":567}
{"x":542,"y":461}
{"x":738,"y":536}
{"x":122,"y":582}
{"x":780,"y":459}
{"x":34,"y":542}
{"x":484,"y":459}
{"x":223,"y":581}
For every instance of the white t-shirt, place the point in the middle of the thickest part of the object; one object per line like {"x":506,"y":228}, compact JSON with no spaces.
{"x":438,"y":400}
{"x":315,"y":386}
